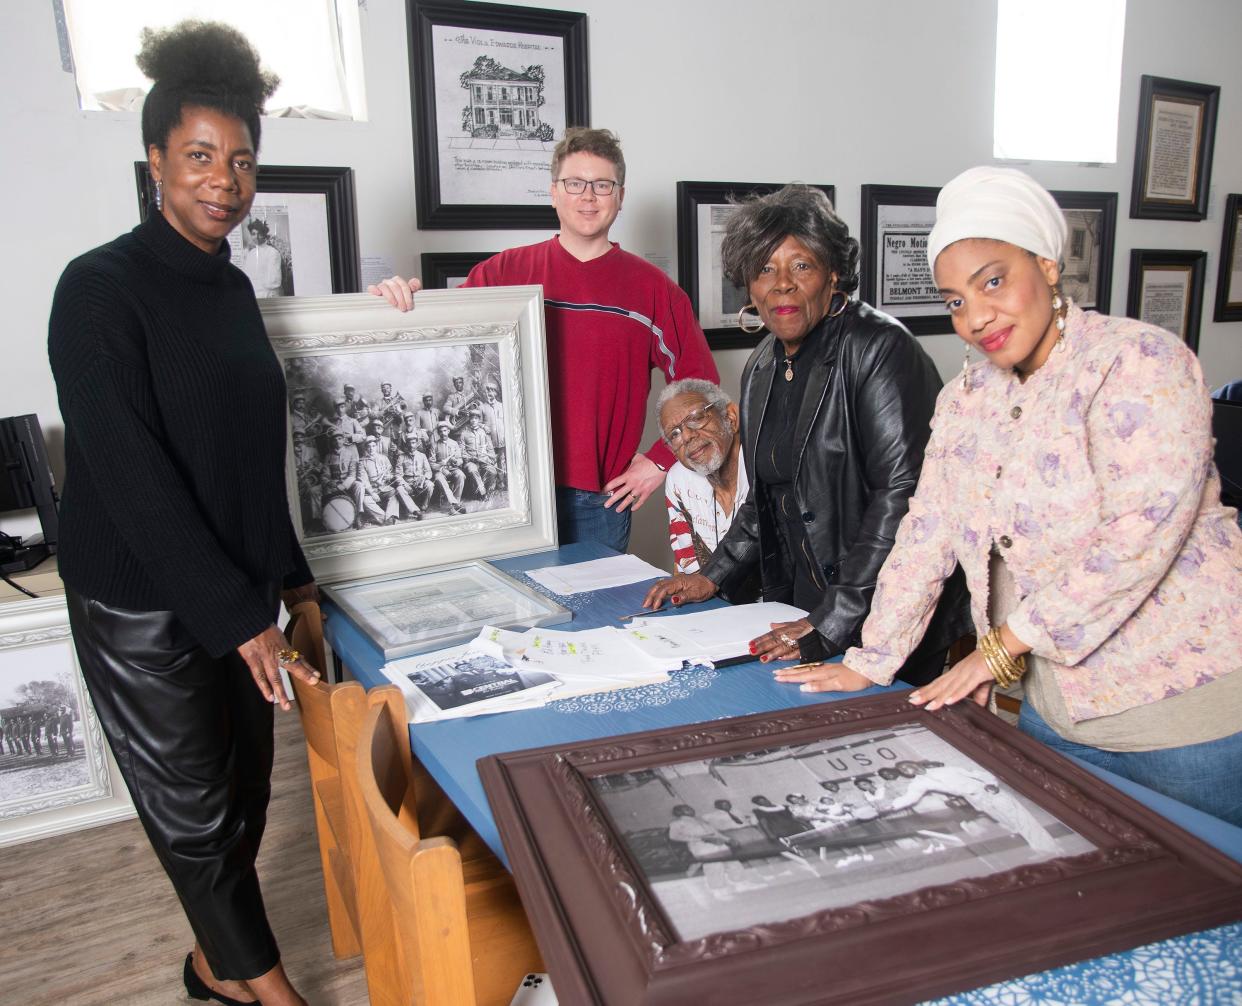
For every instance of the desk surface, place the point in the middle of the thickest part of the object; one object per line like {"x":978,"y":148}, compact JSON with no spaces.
{"x":450,"y":750}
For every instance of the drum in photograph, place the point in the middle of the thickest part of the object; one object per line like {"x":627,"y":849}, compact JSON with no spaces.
{"x":338,"y":513}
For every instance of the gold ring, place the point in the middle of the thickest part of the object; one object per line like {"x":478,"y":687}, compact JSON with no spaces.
{"x":288,"y":656}
{"x":786,"y":640}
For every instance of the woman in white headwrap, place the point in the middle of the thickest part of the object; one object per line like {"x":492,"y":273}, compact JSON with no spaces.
{"x":1070,"y":474}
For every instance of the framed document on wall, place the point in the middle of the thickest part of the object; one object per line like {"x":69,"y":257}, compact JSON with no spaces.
{"x":1229,"y":279}
{"x":1166,"y":289}
{"x":1173,"y":155}
{"x":1091,"y":219}
{"x":893,"y":269}
{"x":493,"y":88}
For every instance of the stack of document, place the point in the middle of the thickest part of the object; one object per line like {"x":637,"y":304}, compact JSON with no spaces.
{"x":596,"y":574}
{"x":501,"y":669}
{"x":708,"y":637}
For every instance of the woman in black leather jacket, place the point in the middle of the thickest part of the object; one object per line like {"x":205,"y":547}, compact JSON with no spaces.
{"x":835,"y":406}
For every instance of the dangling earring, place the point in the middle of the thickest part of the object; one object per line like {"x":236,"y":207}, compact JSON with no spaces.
{"x":845,"y":302}
{"x":1060,"y":308}
{"x":159,"y":196}
{"x":966,"y":369}
{"x":748,"y":322}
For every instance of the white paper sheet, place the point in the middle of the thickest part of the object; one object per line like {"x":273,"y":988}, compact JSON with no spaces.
{"x":711,"y":635}
{"x":597,"y":574}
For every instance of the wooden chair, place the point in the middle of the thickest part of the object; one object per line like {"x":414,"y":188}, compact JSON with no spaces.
{"x":454,"y":933}
{"x":331,"y":720}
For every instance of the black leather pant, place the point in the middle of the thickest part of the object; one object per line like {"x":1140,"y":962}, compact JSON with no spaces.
{"x":192,"y":737}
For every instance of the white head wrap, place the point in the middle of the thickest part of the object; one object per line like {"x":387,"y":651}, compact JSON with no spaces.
{"x":1002,"y":204}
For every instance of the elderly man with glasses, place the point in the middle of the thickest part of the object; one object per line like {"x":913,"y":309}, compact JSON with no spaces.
{"x":708,"y":484}
{"x":611,"y":319}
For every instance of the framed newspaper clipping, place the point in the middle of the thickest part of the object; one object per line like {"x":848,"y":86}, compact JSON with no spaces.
{"x":861,"y":851}
{"x":1229,"y":278}
{"x":1173,"y":151}
{"x":893,"y":271}
{"x":416,"y":439}
{"x":703,"y":210}
{"x":1166,"y":289}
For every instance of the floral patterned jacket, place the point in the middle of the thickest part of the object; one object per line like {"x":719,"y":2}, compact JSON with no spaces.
{"x":1095,"y":480}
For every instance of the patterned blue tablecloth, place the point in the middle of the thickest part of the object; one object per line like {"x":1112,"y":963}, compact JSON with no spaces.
{"x":1203,"y":969}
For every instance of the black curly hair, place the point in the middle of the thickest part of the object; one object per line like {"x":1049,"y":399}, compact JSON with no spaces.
{"x":759,"y":225}
{"x":202,"y":63}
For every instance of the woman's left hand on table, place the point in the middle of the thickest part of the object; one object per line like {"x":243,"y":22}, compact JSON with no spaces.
{"x":782,"y":642}
{"x":967,"y":678}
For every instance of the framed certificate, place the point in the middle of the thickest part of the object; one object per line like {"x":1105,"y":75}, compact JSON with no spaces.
{"x":409,"y":613}
{"x":1166,"y":289}
{"x":1173,"y":155}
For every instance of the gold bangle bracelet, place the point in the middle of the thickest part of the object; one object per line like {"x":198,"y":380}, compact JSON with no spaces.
{"x":1006,"y":670}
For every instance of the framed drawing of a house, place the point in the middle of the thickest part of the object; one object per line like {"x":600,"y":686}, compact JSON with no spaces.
{"x":493,"y":89}
{"x":416,"y":439}
{"x":1091,"y":220}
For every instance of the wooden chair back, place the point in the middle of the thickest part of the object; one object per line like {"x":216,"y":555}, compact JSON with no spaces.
{"x":460,"y":933}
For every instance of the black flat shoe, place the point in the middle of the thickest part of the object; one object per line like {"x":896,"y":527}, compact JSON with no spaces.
{"x":196,"y":988}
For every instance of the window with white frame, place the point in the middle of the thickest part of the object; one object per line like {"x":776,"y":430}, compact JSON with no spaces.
{"x":1058,"y":79}
{"x":314,"y":46}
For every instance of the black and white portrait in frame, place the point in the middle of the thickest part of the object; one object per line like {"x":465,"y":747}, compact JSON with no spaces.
{"x":772,"y":834}
{"x":412,"y":438}
{"x":52,"y":753}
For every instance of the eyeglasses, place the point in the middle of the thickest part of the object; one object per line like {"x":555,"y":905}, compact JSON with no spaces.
{"x":695,"y":420}
{"x":577,"y":186}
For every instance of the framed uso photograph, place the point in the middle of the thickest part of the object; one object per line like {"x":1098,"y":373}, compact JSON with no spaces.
{"x":448,"y":270}
{"x":1229,"y":278}
{"x":493,"y":88}
{"x":703,"y":211}
{"x":861,"y":851}
{"x":1087,"y":273}
{"x":1173,"y":152}
{"x":416,"y":439}
{"x":301,"y":235}
{"x":893,"y":271}
{"x":1166,"y":289}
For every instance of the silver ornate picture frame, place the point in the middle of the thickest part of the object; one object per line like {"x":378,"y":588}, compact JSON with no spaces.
{"x":416,"y":439}
{"x":55,"y":771}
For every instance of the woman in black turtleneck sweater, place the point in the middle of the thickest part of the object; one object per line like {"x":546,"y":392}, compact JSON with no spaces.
{"x":176,"y":541}
{"x":835,"y":408}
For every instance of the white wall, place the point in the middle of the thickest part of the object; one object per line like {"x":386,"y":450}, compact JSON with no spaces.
{"x":888,"y":91}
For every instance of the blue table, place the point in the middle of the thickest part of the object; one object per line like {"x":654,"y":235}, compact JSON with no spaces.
{"x":1167,"y":972}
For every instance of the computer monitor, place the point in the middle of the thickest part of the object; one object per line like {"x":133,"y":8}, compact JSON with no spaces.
{"x":26,"y":483}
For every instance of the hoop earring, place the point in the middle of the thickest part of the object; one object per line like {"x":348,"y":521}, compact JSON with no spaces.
{"x":845,"y":302}
{"x":159,"y":196}
{"x":749,"y":323}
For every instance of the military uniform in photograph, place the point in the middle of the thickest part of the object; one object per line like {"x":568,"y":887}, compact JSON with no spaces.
{"x":478,"y":456}
{"x":446,"y":466}
{"x":414,"y":482}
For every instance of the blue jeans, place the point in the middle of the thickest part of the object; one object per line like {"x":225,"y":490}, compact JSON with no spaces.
{"x":581,"y":516}
{"x":1205,"y":776}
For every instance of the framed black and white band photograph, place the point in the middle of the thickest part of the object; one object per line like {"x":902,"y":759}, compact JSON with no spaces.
{"x":55,"y":771}
{"x":448,"y":270}
{"x":416,"y":439}
{"x":1173,"y":152}
{"x":703,"y":211}
{"x":755,"y":859}
{"x":893,"y":272}
{"x":1166,"y":289}
{"x":1087,"y":263}
{"x":1229,"y":278}
{"x":493,"y":88}
{"x":301,"y":235}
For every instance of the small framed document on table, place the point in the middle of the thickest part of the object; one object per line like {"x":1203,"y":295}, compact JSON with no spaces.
{"x":406,"y":613}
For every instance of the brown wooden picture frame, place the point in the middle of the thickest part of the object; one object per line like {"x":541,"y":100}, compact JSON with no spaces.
{"x":606,"y":940}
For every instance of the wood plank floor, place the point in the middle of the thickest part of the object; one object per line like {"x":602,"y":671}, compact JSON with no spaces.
{"x":90,"y":918}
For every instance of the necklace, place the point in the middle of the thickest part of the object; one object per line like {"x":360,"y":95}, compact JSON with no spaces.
{"x":789,"y":368}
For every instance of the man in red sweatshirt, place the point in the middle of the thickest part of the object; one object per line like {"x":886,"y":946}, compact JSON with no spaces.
{"x":611,"y":319}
